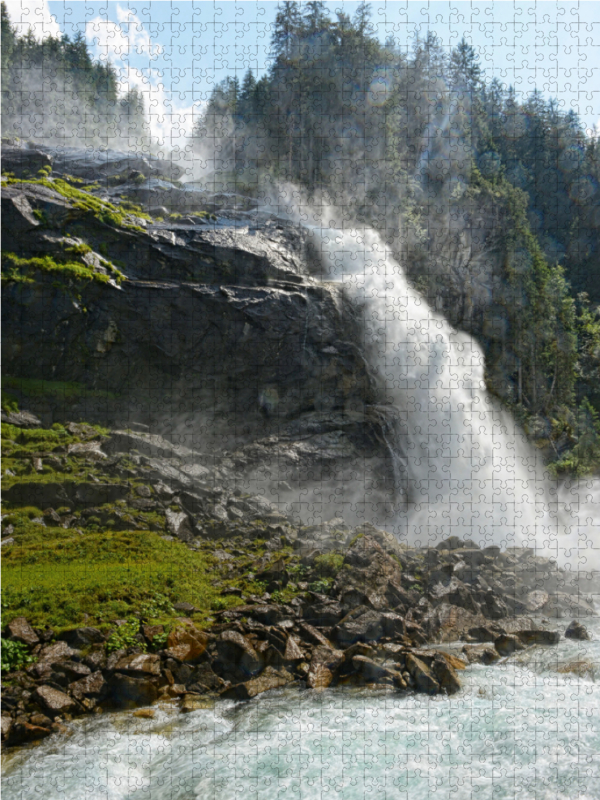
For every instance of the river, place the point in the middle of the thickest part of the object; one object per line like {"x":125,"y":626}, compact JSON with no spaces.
{"x":518,"y":729}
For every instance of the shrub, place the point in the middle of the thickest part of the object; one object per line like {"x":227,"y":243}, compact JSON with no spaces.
{"x":14,"y":656}
{"x":125,"y":636}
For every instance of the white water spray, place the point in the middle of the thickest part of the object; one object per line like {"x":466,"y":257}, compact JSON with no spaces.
{"x":471,"y":471}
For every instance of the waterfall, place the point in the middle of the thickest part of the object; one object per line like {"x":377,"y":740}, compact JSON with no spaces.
{"x":471,"y":471}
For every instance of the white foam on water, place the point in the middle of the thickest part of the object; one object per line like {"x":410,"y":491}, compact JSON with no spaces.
{"x":518,"y":730}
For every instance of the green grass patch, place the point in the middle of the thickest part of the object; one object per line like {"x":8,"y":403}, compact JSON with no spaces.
{"x":329,"y":564}
{"x":69,"y":391}
{"x":101,"y":209}
{"x":22,"y":270}
{"x":63,"y":578}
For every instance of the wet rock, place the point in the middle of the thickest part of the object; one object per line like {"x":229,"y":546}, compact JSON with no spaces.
{"x":19,"y":630}
{"x":361,"y":625}
{"x":144,"y":713}
{"x":446,"y":623}
{"x":91,"y":686}
{"x":192,"y":703}
{"x":126,"y":691}
{"x":235,"y":654}
{"x":582,"y":668}
{"x":538,"y":637}
{"x":139,"y":664}
{"x":7,"y":724}
{"x":269,"y":679}
{"x":371,"y":672}
{"x":186,"y":642}
{"x":53,"y":701}
{"x":26,"y":732}
{"x":323,"y":664}
{"x":483,"y":633}
{"x":293,"y":651}
{"x":312,"y":635}
{"x":204,"y":678}
{"x":71,"y":669}
{"x":507,"y":644}
{"x":577,"y":631}
{"x":445,"y":674}
{"x":421,"y":674}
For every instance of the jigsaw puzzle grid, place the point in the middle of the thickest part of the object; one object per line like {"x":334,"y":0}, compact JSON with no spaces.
{"x":515,"y":730}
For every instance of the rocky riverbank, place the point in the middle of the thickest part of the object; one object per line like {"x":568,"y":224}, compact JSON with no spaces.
{"x":320,"y":605}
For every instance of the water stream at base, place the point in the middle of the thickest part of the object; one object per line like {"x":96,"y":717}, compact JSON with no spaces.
{"x":517,"y":730}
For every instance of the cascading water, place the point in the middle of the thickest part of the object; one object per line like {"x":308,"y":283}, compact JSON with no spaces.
{"x":470,"y":469}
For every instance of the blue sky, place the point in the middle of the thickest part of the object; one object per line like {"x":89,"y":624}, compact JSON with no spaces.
{"x":176,"y":51}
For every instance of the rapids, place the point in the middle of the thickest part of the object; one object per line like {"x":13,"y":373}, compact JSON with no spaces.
{"x":517,"y":730}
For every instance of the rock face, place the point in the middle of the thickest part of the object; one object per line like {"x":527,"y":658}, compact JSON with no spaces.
{"x":222,"y":320}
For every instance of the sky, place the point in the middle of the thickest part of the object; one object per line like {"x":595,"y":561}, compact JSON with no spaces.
{"x":175,"y":52}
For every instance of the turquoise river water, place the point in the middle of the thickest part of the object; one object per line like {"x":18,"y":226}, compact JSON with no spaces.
{"x":519,"y":729}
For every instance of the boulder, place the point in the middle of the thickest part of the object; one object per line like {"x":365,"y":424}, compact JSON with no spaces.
{"x":446,"y":623}
{"x":24,"y":161}
{"x":582,"y":668}
{"x":58,"y":651}
{"x":324,"y":615}
{"x":236,"y":654}
{"x":445,"y":674}
{"x":507,"y":644}
{"x":192,"y":702}
{"x":186,"y":642}
{"x":126,"y":691}
{"x":538,"y":637}
{"x":365,"y":625}
{"x":577,"y":631}
{"x":422,"y":675}
{"x":53,"y":701}
{"x":372,"y":672}
{"x":323,"y":664}
{"x":536,"y":600}
{"x":72,"y":670}
{"x":19,"y":630}
{"x":480,"y":654}
{"x":483,"y":633}
{"x":312,"y":635}
{"x":292,"y":650}
{"x":90,"y":686}
{"x":269,"y":679}
{"x":26,"y":732}
{"x":82,"y":637}
{"x":178,"y":524}
{"x":139,"y":664}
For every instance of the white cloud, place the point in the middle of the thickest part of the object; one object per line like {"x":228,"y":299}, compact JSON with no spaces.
{"x":32,"y":15}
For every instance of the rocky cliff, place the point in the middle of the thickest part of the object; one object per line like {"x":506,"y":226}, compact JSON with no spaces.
{"x":215,"y":329}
